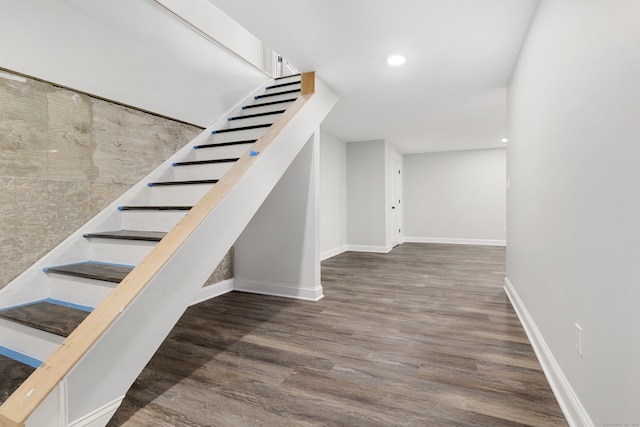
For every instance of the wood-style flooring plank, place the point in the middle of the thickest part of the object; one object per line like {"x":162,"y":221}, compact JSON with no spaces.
{"x":421,"y":336}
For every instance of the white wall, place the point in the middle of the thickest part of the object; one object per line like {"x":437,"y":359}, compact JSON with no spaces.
{"x":366,"y":190}
{"x":127,"y":51}
{"x":276,"y":254}
{"x":333,"y":195}
{"x":456,"y":197}
{"x":574,"y":203}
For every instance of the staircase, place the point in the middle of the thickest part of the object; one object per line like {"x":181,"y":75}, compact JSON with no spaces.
{"x":78,"y":327}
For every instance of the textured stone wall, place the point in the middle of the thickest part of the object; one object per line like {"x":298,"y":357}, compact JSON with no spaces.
{"x":64,"y":156}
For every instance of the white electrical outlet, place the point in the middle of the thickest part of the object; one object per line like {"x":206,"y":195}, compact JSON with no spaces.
{"x":578,"y":339}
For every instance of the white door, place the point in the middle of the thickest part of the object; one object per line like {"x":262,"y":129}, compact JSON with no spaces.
{"x":396,"y":200}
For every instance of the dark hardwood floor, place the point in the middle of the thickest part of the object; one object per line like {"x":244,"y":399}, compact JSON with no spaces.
{"x":422,"y":336}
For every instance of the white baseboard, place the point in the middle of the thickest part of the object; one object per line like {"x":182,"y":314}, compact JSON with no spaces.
{"x":274,"y":289}
{"x":279,"y":290}
{"x":369,"y":248}
{"x":212,"y":291}
{"x":100,"y":416}
{"x":455,"y":241}
{"x":333,"y":252}
{"x":571,"y":406}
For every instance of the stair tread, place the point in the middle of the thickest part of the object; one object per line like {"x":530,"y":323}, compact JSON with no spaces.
{"x":53,"y":318}
{"x":275,"y":86}
{"x":12,"y":374}
{"x":285,"y":92}
{"x":205,"y":162}
{"x":189,"y":182}
{"x":93,"y":270}
{"x":238,"y":129}
{"x":286,"y":77}
{"x":154,"y":208}
{"x":265,"y":104}
{"x":152,"y":236}
{"x":225,"y":144}
{"x":252,"y":116}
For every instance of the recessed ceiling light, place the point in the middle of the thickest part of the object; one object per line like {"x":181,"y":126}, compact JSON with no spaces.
{"x":504,"y":140}
{"x":396,"y":60}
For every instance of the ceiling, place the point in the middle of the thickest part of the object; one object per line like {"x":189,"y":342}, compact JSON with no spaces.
{"x":450,"y":94}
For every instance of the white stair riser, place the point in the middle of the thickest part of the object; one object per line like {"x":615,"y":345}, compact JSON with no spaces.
{"x":231,"y":151}
{"x":151,"y":220}
{"x":240,"y":135}
{"x":118,"y":251}
{"x":79,"y":290}
{"x":183,"y":195}
{"x":28,"y":341}
{"x":266,"y":108}
{"x":205,"y":171}
{"x":271,"y":118}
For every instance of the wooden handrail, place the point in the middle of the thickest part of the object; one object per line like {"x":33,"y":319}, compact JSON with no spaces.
{"x":23,"y":402}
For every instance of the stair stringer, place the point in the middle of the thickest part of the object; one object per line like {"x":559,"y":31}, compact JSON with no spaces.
{"x":164,"y":284}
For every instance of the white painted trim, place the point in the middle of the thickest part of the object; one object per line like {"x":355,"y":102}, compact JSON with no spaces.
{"x":100,"y":416}
{"x":333,"y":252}
{"x":9,"y":76}
{"x":63,"y":404}
{"x":569,"y":403}
{"x":212,"y":291}
{"x":456,"y":241}
{"x":369,"y":248}
{"x":280,"y":290}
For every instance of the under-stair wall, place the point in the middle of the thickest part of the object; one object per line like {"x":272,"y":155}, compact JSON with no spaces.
{"x":278,"y":252}
{"x":84,"y":380}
